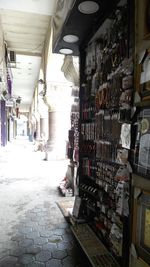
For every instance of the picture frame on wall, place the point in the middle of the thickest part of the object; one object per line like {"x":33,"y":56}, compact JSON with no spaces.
{"x":144,"y":82}
{"x":142,"y":52}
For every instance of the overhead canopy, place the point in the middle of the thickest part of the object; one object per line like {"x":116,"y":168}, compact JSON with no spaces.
{"x":79,"y":23}
{"x":63,"y":8}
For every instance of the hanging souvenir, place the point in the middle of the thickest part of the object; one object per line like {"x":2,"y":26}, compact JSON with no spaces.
{"x":126,"y":135}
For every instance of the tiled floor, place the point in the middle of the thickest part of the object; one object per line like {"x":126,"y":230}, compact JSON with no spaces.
{"x":33,"y":231}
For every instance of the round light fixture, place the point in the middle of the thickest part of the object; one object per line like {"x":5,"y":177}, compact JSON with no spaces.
{"x":88,"y":7}
{"x":70,"y":38}
{"x":66,"y":51}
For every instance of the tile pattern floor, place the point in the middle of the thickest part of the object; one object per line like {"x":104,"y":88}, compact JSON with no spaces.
{"x":41,"y":237}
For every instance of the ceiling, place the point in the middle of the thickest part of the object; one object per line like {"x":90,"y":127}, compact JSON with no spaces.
{"x":25,"y":24}
{"x":83,"y":25}
{"x":25,"y":75}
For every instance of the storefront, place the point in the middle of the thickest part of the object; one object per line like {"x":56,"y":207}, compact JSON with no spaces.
{"x":109,"y":136}
{"x":112,"y":42}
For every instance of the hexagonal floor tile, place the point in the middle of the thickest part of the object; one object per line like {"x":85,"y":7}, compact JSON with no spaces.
{"x":18,"y":251}
{"x":33,"y":249}
{"x":59,"y":254}
{"x":26,"y":258}
{"x":63,"y":225}
{"x":18,"y":237}
{"x":31,"y":224}
{"x":64,"y":245}
{"x":50,"y":246}
{"x":46,"y":233}
{"x":55,"y":239}
{"x":4,"y":253}
{"x":43,"y":222}
{"x":8,"y":264}
{"x":40,"y":241}
{"x":10,"y":244}
{"x":36,"y":264}
{"x":8,"y":260}
{"x":43,"y":256}
{"x":18,"y":265}
{"x":25,"y":230}
{"x":26,"y":242}
{"x":54,"y":263}
{"x":59,"y":231}
{"x":32,"y":235}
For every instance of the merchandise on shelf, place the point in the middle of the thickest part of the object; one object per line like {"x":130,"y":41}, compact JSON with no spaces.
{"x":105,"y":137}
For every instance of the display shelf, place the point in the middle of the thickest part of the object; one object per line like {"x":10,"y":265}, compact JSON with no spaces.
{"x":94,"y":249}
{"x":105,"y":116}
{"x":90,"y":178}
{"x":95,"y":196}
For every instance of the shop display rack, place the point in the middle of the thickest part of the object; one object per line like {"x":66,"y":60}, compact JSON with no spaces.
{"x":106,"y":88}
{"x":94,"y":249}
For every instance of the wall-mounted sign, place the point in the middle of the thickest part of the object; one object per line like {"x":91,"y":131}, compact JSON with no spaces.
{"x":10,"y":103}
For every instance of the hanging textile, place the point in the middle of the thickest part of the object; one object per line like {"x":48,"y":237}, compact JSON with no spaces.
{"x":70,"y":68}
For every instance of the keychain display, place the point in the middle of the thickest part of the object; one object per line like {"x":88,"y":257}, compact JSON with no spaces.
{"x":106,"y":97}
{"x":122,"y":156}
{"x":73,"y":137}
{"x":122,"y":195}
{"x":123,"y":173}
{"x":116,"y":239}
{"x":126,"y":135}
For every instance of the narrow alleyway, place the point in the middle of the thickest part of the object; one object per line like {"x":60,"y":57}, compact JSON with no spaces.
{"x":33,"y":231}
